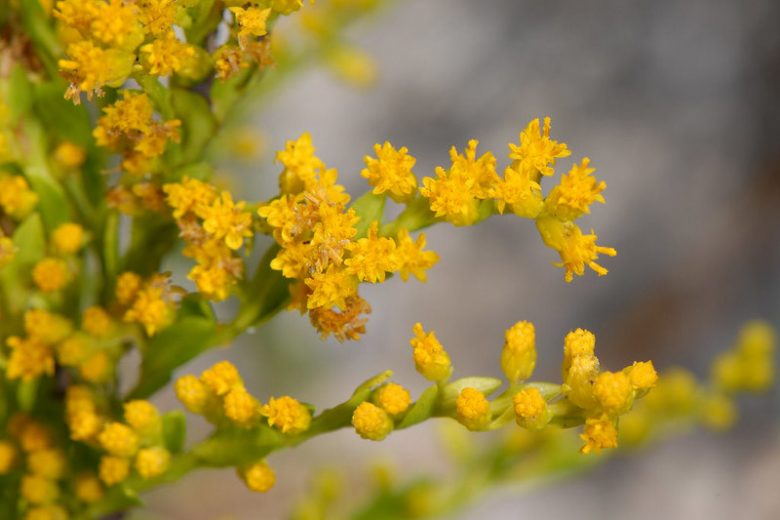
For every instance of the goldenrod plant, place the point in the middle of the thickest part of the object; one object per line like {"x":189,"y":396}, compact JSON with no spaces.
{"x":111,"y":114}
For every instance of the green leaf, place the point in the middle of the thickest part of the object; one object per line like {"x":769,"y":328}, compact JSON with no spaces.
{"x":20,"y":97}
{"x":30,"y":244}
{"x":201,"y":171}
{"x":67,"y":121}
{"x":486,"y":385}
{"x":118,"y":498}
{"x":26,"y":394}
{"x":198,"y":124}
{"x":265,"y":295}
{"x":171,"y":348}
{"x":237,"y":447}
{"x":369,"y":208}
{"x":52,"y":202}
{"x":422,"y":409}
{"x":174,"y":430}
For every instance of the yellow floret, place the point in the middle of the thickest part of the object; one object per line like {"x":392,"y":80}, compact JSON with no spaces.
{"x":48,"y":327}
{"x":576,"y":192}
{"x":69,"y":155}
{"x":142,"y":416}
{"x":127,"y":286}
{"x":536,"y":153}
{"x":48,"y":463}
{"x":599,"y":433}
{"x":118,"y":439}
{"x":642,"y":375}
{"x":96,"y":321}
{"x":221,"y":378}
{"x":113,"y":470}
{"x":241,"y":407}
{"x":287,"y":414}
{"x":68,"y":238}
{"x":193,"y":393}
{"x":473,"y":409}
{"x":88,"y":488}
{"x":29,"y":359}
{"x":614,"y":392}
{"x":411,"y":258}
{"x":8,"y":455}
{"x":579,"y":381}
{"x":578,"y":342}
{"x":531,"y":409}
{"x":51,"y":274}
{"x":518,"y":358}
{"x":430,"y":358}
{"x":97,"y":368}
{"x":47,"y":512}
{"x":38,"y":490}
{"x":391,"y":172}
{"x":371,"y":422}
{"x":259,"y":477}
{"x":393,"y":398}
{"x":152,"y":462}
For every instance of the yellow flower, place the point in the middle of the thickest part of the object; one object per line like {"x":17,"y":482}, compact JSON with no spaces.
{"x":96,"y":322}
{"x":391,"y":172}
{"x":16,"y":198}
{"x":151,"y":308}
{"x":190,"y":196}
{"x":97,"y":368}
{"x":46,"y":512}
{"x":518,"y":358}
{"x":38,"y":490}
{"x":51,"y":274}
{"x":241,"y":407}
{"x":221,"y":378}
{"x":152,"y":462}
{"x":599,"y":433}
{"x":372,"y":257}
{"x":579,"y":381}
{"x":8,"y":456}
{"x":193,"y":393}
{"x":454,"y":195}
{"x":520,"y":191}
{"x":300,"y":165}
{"x":576,"y":192}
{"x":473,"y":409}
{"x":48,"y":327}
{"x":371,"y":422}
{"x":642,"y":375}
{"x":88,"y":488}
{"x":118,"y":439}
{"x":142,"y":416}
{"x":48,"y":463}
{"x":392,"y":398}
{"x":127,"y":286}
{"x":225,"y":219}
{"x":30,"y":358}
{"x":259,"y":477}
{"x":430,"y":358}
{"x":718,"y":412}
{"x":536,"y":153}
{"x":116,"y":24}
{"x":69,"y":155}
{"x":576,"y":250}
{"x":166,"y":55}
{"x":89,"y":67}
{"x":68,"y":238}
{"x":411,"y":258}
{"x":251,"y":21}
{"x":331,"y":288}
{"x":614,"y":392}
{"x":531,"y":409}
{"x":287,"y":414}
{"x":113,"y":470}
{"x":578,"y":342}
{"x":157,"y":16}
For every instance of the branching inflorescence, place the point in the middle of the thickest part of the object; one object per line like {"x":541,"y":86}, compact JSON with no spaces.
{"x":95,"y":196}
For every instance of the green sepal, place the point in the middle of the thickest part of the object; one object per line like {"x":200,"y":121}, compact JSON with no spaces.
{"x":486,"y":385}
{"x":422,"y":409}
{"x":363,"y":391}
{"x":174,"y":427}
{"x":369,"y":208}
{"x":236,"y":447}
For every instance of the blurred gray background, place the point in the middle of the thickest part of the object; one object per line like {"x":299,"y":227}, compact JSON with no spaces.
{"x":676,"y":105}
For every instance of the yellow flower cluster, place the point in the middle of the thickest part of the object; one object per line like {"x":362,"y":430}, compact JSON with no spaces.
{"x":107,"y":37}
{"x":146,"y":302}
{"x":31,"y":447}
{"x":136,"y":443}
{"x":17,"y":200}
{"x":128,"y":127}
{"x":219,"y":395}
{"x":471,"y":190}
{"x":375,"y":419}
{"x":214,"y":228}
{"x":603,"y":396}
{"x":321,"y":248}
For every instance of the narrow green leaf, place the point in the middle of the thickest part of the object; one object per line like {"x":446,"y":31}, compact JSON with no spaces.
{"x":422,"y":409}
{"x":174,"y":430}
